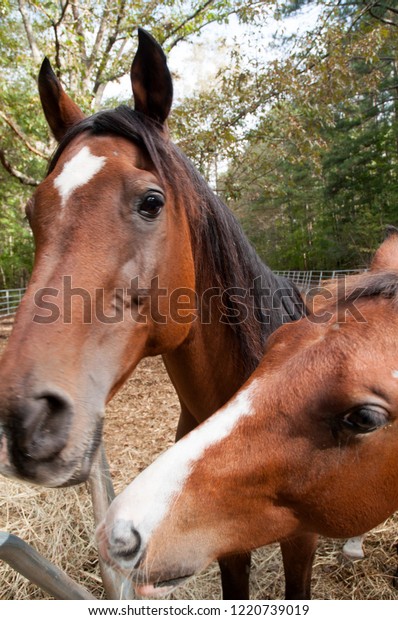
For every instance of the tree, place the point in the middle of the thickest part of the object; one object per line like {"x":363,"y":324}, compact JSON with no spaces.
{"x":310,"y":134}
{"x":91,"y":45}
{"x":320,"y":168}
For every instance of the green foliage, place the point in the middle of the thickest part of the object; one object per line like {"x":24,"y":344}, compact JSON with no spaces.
{"x":16,"y":241}
{"x":309,"y":133}
{"x":90,"y":45}
{"x":319,"y":180}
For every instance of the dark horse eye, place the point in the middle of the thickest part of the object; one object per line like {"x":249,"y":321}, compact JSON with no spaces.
{"x":365,"y":419}
{"x":151,"y":206}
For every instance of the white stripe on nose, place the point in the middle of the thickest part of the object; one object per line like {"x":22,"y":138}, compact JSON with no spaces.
{"x":149,"y":498}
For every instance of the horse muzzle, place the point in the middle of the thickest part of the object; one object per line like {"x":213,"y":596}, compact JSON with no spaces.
{"x":36,"y":440}
{"x":122,"y":547}
{"x":40,"y":425}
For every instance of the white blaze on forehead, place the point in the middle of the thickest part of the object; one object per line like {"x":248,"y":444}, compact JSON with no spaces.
{"x":146,"y":501}
{"x":77,"y":172}
{"x":394,"y":374}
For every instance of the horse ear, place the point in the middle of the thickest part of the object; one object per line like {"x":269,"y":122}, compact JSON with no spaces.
{"x":59,"y":109}
{"x":151,"y":79}
{"x":386,"y":257}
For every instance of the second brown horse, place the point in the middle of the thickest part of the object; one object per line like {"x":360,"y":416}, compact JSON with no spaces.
{"x":308,"y":446}
{"x":135,"y":256}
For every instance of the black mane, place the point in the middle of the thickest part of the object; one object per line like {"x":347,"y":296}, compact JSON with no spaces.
{"x":224,"y":257}
{"x":369,"y":284}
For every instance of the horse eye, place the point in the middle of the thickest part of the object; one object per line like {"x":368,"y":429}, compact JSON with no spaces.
{"x":151,"y":206}
{"x":365,"y":420}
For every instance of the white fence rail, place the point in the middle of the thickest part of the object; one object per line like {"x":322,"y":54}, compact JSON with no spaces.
{"x":311,"y":279}
{"x":10,"y":298}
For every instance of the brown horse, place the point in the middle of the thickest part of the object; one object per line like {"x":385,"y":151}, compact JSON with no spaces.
{"x":135,"y":256}
{"x":309,"y":445}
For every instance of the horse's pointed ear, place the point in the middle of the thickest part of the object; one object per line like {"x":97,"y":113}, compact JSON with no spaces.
{"x":151,"y":79}
{"x":59,"y":109}
{"x":386,"y":257}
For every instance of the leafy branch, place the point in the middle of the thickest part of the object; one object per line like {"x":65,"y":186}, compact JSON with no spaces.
{"x":22,"y":178}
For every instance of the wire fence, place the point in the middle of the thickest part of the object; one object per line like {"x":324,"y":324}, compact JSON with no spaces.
{"x":305,"y":280}
{"x":10,"y":300}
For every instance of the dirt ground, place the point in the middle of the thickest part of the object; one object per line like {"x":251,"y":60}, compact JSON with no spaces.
{"x":140,"y":424}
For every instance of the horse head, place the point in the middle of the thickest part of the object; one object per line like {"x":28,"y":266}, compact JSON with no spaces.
{"x":308,"y":445}
{"x":112,"y":247}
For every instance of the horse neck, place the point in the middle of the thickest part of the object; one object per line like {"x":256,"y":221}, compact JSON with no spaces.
{"x":216,"y":358}
{"x":204,"y":369}
{"x":210,"y":365}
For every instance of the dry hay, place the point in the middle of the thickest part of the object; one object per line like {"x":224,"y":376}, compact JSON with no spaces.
{"x":141,"y":422}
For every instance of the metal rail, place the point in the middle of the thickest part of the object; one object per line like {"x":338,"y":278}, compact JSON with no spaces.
{"x":10,"y":300}
{"x":116,"y":586}
{"x":309,"y":279}
{"x":27,"y":561}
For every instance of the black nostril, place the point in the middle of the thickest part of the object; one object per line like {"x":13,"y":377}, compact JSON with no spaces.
{"x":125,"y":540}
{"x":41,"y":425}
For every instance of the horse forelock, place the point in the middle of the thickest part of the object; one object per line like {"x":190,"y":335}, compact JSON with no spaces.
{"x":224,"y":258}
